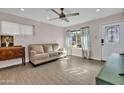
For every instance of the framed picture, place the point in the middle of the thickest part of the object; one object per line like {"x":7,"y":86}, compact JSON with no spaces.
{"x":6,"y":41}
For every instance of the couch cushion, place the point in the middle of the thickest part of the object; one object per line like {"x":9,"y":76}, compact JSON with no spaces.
{"x":40,"y":56}
{"x":51,"y":54}
{"x":38,"y":48}
{"x":55,"y":47}
{"x":48,"y":48}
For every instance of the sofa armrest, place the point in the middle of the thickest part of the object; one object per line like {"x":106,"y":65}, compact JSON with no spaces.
{"x":62,"y":51}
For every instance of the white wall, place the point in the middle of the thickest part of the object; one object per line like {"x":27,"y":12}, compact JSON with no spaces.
{"x":95,"y":32}
{"x":77,"y":52}
{"x":44,"y":33}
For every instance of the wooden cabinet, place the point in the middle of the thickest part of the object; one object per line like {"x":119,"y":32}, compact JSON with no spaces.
{"x":7,"y":53}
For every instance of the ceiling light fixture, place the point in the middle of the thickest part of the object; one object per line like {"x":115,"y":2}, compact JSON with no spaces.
{"x":22,"y":9}
{"x":98,"y":10}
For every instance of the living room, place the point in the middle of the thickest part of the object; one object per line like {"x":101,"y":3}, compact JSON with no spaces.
{"x":80,"y":37}
{"x":91,"y":37}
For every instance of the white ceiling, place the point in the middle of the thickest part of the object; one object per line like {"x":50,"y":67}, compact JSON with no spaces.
{"x":42,"y":14}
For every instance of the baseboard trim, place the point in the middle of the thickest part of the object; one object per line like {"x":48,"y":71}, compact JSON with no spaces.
{"x":11,"y":66}
{"x":97,"y":59}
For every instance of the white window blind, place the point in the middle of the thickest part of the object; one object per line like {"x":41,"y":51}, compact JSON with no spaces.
{"x":11,"y":28}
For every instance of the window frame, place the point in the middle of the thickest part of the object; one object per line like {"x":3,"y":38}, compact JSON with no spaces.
{"x":76,"y":41}
{"x":107,"y":28}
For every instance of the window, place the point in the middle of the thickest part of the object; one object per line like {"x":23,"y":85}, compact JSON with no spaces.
{"x":10,"y":28}
{"x":112,"y":33}
{"x":76,"y":39}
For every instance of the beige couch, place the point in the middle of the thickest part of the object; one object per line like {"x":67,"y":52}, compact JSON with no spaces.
{"x":41,"y":53}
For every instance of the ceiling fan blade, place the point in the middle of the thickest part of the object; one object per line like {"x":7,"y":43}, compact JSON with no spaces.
{"x":55,"y":12}
{"x":65,"y":19}
{"x":53,"y":18}
{"x":72,"y":14}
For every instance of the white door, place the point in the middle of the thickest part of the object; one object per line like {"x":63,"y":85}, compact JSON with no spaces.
{"x":112,"y":39}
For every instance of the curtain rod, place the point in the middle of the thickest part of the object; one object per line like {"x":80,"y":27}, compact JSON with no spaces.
{"x":77,"y":29}
{"x":72,"y":30}
{"x":85,"y":27}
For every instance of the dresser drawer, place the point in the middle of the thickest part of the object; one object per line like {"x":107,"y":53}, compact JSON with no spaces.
{"x":11,"y":53}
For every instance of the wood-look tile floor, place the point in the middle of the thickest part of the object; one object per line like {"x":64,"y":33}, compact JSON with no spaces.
{"x":65,"y":71}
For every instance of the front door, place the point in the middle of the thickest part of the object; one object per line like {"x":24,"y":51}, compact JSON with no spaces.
{"x":112,"y":39}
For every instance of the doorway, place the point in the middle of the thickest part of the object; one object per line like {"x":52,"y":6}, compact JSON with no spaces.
{"x":112,"y":39}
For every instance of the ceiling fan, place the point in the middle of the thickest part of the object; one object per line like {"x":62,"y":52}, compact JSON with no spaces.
{"x":62,"y":15}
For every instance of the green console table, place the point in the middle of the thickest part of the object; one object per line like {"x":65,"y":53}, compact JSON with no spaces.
{"x":109,"y":75}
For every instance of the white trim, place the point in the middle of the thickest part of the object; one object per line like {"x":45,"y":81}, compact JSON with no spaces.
{"x":7,"y":63}
{"x":76,"y":48}
{"x":99,"y":59}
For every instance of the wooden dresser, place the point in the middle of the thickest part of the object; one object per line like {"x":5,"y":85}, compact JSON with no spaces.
{"x":7,"y":53}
